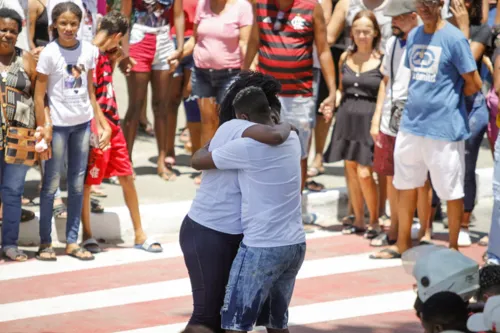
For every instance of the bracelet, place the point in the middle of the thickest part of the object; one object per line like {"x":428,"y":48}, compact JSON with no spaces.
{"x":47,"y":125}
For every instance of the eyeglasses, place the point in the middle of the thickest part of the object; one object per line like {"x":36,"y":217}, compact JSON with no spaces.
{"x":278,"y":23}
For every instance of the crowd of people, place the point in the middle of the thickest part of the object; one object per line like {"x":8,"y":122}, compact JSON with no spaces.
{"x":412,"y":86}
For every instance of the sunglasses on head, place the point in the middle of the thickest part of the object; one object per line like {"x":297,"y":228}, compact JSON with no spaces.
{"x":428,"y":2}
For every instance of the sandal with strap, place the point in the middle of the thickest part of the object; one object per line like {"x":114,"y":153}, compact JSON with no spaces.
{"x":46,"y":250}
{"x":92,"y":246}
{"x":148,"y":246}
{"x":78,"y":254}
{"x":314,"y":186}
{"x":14,"y":254}
{"x":314,"y":172}
{"x":372,"y":232}
{"x":60,"y":211}
{"x":380,"y":255}
{"x":95,"y":206}
{"x":353,"y":230}
{"x":348,"y":220}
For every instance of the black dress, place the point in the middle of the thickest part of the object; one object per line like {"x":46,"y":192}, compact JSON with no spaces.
{"x":351,"y":139}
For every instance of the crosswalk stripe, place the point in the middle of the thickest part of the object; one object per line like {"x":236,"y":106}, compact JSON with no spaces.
{"x":168,"y":289}
{"x":326,"y":311}
{"x":113,"y":257}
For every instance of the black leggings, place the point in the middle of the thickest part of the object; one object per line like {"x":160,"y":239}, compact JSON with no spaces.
{"x":209,"y":255}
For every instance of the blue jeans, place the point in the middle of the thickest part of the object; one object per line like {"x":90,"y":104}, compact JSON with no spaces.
{"x":478,"y":123}
{"x":260,"y":287}
{"x":75,"y":141}
{"x":494,"y":241}
{"x":13,"y":177}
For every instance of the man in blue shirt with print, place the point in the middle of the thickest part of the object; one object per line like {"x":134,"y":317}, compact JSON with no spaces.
{"x":434,"y":123}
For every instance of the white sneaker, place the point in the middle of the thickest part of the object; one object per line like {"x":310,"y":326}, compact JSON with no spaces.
{"x":464,"y":238}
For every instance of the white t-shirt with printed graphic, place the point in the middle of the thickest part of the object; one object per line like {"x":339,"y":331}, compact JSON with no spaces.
{"x":67,"y":86}
{"x":88,"y":25}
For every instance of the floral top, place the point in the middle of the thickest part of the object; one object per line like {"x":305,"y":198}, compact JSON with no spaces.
{"x":152,"y":13}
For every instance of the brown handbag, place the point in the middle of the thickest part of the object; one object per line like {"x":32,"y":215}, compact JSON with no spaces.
{"x":19,"y":141}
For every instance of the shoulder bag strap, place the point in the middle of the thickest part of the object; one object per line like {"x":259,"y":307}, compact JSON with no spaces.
{"x":392,"y":68}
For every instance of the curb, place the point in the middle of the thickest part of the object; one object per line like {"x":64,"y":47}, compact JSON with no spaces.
{"x":115,"y":224}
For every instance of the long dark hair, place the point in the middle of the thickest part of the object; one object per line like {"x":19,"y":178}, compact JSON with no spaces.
{"x":269,"y":85}
{"x":61,"y":8}
{"x":376,"y":40}
{"x":475,"y":12}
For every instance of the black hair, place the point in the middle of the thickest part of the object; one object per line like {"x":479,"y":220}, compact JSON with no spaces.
{"x":489,"y":281}
{"x":269,"y":85}
{"x":114,"y":22}
{"x":252,"y":101}
{"x":475,"y":12}
{"x":7,"y":13}
{"x":60,"y":9}
{"x":446,"y":309}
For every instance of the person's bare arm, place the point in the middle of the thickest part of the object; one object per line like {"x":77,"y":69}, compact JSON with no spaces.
{"x":271,"y":135}
{"x":244,"y":37}
{"x":126,"y":10}
{"x":377,"y":116}
{"x":478,"y":50}
{"x":105,"y":130}
{"x":41,"y":117}
{"x":32,"y":16}
{"x":497,"y":17}
{"x":189,"y":45}
{"x":340,"y":89}
{"x":202,"y":159}
{"x":327,"y":9}
{"x":327,"y":106}
{"x":496,"y":76}
{"x":472,"y":83}
{"x":486,"y":11}
{"x":253,"y":45}
{"x":179,"y":22}
{"x":337,"y":22}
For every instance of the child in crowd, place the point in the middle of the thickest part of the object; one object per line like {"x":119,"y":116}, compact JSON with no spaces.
{"x":67,"y":123}
{"x":114,"y":161}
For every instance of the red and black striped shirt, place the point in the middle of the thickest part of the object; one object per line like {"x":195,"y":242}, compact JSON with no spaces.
{"x":287,"y":53}
{"x":105,"y":94}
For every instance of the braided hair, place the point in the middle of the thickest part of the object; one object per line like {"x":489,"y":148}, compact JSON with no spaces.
{"x":269,"y":85}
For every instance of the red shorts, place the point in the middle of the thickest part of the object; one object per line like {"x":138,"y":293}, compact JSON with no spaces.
{"x":383,"y":159}
{"x":115,"y":161}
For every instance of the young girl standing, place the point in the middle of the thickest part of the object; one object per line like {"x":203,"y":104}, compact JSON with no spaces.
{"x":67,"y":124}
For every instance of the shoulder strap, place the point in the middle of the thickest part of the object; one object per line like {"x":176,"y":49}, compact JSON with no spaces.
{"x":41,"y":3}
{"x":3,"y":102}
{"x":396,"y":41}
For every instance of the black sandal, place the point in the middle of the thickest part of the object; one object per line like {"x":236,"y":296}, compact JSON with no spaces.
{"x":352,"y":230}
{"x":45,"y":250}
{"x":371,"y":232}
{"x":80,"y":250}
{"x":314,"y":186}
{"x":393,"y":254}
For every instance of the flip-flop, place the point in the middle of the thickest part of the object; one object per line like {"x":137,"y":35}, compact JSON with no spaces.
{"x":314,"y":186}
{"x":92,"y":246}
{"x":75,"y":252}
{"x":14,"y":254}
{"x":98,"y":193}
{"x":148,"y":246}
{"x":309,"y":218}
{"x":348,"y":220}
{"x":394,"y":255}
{"x":371,"y":232}
{"x":47,"y":250}
{"x":59,"y":210}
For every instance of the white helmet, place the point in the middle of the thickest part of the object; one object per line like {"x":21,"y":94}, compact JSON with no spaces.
{"x":437,"y":268}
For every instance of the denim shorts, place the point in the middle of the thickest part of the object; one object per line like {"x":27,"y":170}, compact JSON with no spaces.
{"x":212,"y":82}
{"x":260,"y":287}
{"x":186,"y":62}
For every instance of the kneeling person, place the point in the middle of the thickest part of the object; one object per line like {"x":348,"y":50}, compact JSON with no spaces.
{"x":263,"y":273}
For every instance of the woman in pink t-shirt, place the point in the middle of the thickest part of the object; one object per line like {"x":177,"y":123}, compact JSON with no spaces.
{"x":220,"y":36}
